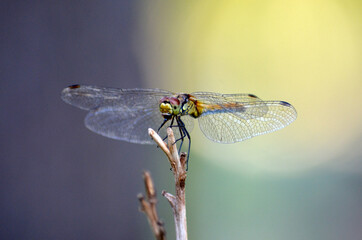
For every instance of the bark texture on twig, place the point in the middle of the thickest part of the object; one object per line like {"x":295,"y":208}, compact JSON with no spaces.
{"x":178,"y":167}
{"x":148,"y":206}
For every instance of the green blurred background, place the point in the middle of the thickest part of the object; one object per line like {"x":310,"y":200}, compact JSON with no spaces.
{"x":58,"y":180}
{"x":303,"y":182}
{"x":305,"y":52}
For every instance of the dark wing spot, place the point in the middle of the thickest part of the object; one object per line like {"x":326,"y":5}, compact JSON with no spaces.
{"x":74,"y":86}
{"x":284,"y":103}
{"x":252,"y":96}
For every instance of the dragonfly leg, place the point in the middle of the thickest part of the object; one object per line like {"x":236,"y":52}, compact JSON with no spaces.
{"x":180,"y":125}
{"x":176,"y":126}
{"x":183,"y":133}
{"x":164,"y":121}
{"x":186,"y":133}
{"x":182,"y":136}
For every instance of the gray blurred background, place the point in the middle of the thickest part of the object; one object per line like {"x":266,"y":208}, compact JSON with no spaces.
{"x":58,"y":180}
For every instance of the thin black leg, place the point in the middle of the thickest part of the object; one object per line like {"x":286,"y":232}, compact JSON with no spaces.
{"x":183,"y":133}
{"x":169,"y":126}
{"x":188,"y":136}
{"x":181,"y":126}
{"x":165,"y":120}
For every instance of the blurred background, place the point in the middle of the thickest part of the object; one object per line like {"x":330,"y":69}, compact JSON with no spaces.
{"x":58,"y":180}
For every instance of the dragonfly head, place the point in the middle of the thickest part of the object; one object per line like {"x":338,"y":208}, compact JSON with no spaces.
{"x":169,"y":106}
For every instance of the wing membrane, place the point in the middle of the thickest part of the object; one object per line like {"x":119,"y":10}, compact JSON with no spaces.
{"x":236,"y":103}
{"x":241,"y":116}
{"x":126,"y":114}
{"x":122,"y":114}
{"x":130,"y":125}
{"x":91,"y":97}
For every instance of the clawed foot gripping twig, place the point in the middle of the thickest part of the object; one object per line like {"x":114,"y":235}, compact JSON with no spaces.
{"x":177,"y":202}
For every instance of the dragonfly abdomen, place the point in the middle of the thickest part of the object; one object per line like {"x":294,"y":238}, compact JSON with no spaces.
{"x":205,"y":109}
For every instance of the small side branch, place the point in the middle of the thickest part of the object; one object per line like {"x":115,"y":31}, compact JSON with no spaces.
{"x":148,"y":206}
{"x":178,"y":167}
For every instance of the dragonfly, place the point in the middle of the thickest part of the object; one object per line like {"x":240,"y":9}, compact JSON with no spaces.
{"x":126,"y":114}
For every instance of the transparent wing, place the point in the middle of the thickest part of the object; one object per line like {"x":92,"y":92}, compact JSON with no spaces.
{"x":92,"y":97}
{"x":122,"y":114}
{"x":212,"y":103}
{"x":229,"y":118}
{"x":123,"y":123}
{"x":130,"y":125}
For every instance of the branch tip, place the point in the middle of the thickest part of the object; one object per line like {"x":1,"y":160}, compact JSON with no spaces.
{"x":150,"y":188}
{"x":148,"y":206}
{"x":158,"y":140}
{"x":140,"y":196}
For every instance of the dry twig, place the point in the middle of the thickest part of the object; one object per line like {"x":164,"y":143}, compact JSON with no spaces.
{"x":178,"y":167}
{"x":148,"y":206}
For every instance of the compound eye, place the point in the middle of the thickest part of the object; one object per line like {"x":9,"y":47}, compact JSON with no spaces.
{"x":164,"y":105}
{"x":165,"y":108}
